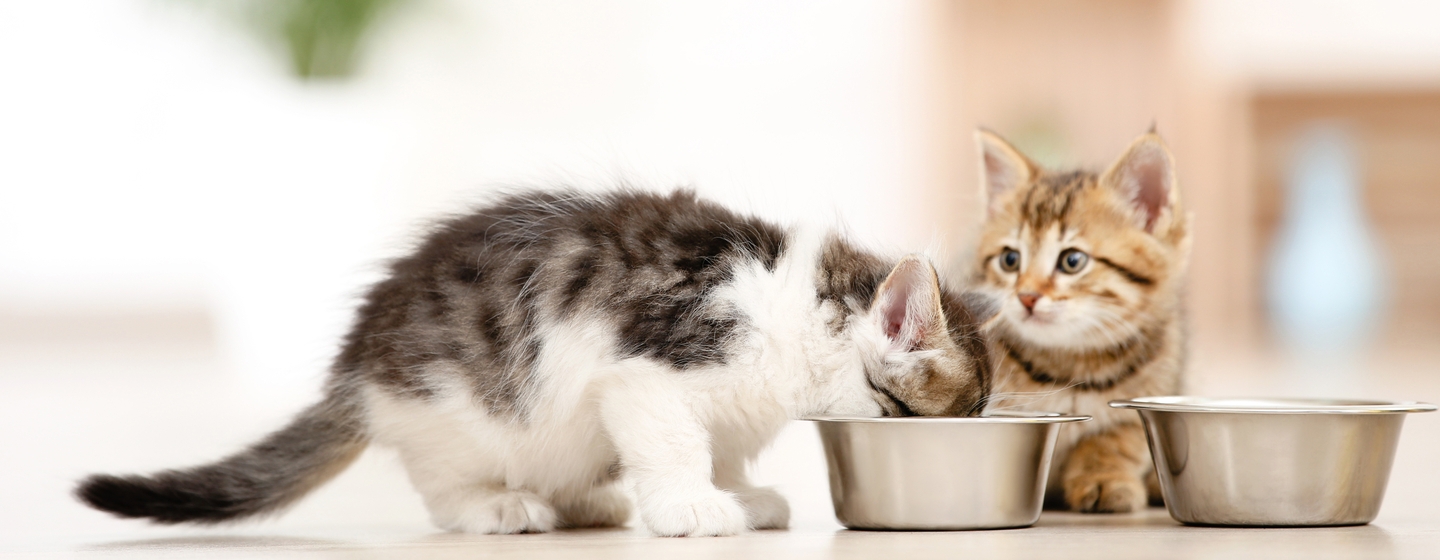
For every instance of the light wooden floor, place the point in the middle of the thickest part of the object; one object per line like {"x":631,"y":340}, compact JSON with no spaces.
{"x":68,"y":408}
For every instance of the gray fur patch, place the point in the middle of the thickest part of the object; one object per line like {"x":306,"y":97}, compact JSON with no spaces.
{"x":478,"y":289}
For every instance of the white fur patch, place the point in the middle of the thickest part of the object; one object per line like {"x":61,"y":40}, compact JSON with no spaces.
{"x":683,"y":438}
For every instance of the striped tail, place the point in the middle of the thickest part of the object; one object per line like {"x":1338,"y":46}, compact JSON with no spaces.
{"x":263,"y":478}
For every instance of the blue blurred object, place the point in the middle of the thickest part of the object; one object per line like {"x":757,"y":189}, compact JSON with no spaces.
{"x":1326,"y":284}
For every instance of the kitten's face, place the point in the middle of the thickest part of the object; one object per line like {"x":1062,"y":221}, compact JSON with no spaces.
{"x":925,"y":345}
{"x":1080,"y":260}
{"x":948,"y":381}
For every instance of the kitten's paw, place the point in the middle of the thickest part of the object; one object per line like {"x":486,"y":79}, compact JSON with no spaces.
{"x":606,"y":506}
{"x":711,"y":513}
{"x":764,"y":508}
{"x":1105,"y":492}
{"x":498,"y":513}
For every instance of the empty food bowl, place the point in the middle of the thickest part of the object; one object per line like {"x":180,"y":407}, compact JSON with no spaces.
{"x":1272,"y":462}
{"x":929,"y":473}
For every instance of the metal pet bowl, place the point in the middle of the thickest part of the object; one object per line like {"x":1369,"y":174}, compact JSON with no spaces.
{"x":1272,"y":462}
{"x":939,"y":474}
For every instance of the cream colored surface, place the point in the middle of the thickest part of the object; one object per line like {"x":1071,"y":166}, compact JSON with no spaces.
{"x":143,"y":394}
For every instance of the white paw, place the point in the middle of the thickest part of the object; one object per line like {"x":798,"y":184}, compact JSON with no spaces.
{"x":764,"y":508}
{"x":498,"y":513}
{"x":605,"y":506}
{"x":710,"y":513}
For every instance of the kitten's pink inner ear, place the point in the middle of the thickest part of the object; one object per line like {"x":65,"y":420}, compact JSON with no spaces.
{"x":1000,"y":175}
{"x":1152,"y":192}
{"x":1145,"y":176}
{"x":895,"y":319}
{"x":1002,"y":167}
{"x":907,"y":303}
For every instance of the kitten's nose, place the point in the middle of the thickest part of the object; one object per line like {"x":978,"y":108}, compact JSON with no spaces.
{"x":1028,"y":300}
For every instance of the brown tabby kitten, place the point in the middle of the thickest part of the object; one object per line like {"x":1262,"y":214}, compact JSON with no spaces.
{"x":1088,"y":269}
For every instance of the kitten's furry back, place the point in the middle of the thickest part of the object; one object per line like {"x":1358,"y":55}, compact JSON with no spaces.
{"x":526,"y":354}
{"x":476,"y":292}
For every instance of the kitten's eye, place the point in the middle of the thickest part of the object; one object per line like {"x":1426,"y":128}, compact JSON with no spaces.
{"x":1072,"y":260}
{"x":1009,"y":260}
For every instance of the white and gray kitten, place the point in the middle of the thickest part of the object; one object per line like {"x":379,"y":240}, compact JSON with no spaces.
{"x":527,"y":355}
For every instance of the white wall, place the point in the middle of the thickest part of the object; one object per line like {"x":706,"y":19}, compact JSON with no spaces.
{"x":152,"y":156}
{"x":157,"y":158}
{"x":1284,"y":43}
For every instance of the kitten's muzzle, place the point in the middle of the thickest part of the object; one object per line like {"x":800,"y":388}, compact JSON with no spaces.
{"x":1028,"y":300}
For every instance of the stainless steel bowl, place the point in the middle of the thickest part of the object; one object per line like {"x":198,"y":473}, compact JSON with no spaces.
{"x":926,"y":473}
{"x":1272,"y":462}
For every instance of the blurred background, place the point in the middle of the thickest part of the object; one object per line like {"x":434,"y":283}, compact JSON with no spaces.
{"x":193,"y":193}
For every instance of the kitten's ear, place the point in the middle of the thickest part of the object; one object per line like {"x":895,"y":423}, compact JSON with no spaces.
{"x":1002,"y":167}
{"x":907,"y":304}
{"x":1145,"y":175}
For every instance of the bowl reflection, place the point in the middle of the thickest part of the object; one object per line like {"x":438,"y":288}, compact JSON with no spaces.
{"x":1272,"y":462}
{"x":926,"y":473}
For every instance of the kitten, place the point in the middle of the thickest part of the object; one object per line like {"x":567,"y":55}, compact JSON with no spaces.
{"x":527,"y":355}
{"x":1088,"y":269}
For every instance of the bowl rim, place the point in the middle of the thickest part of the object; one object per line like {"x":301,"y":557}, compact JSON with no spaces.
{"x":1007,"y":417}
{"x":1270,"y":405}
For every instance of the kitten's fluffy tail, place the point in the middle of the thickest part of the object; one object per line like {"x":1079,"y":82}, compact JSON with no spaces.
{"x":267,"y":476}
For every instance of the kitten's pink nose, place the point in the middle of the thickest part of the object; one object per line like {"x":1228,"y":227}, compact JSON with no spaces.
{"x":1028,"y":300}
